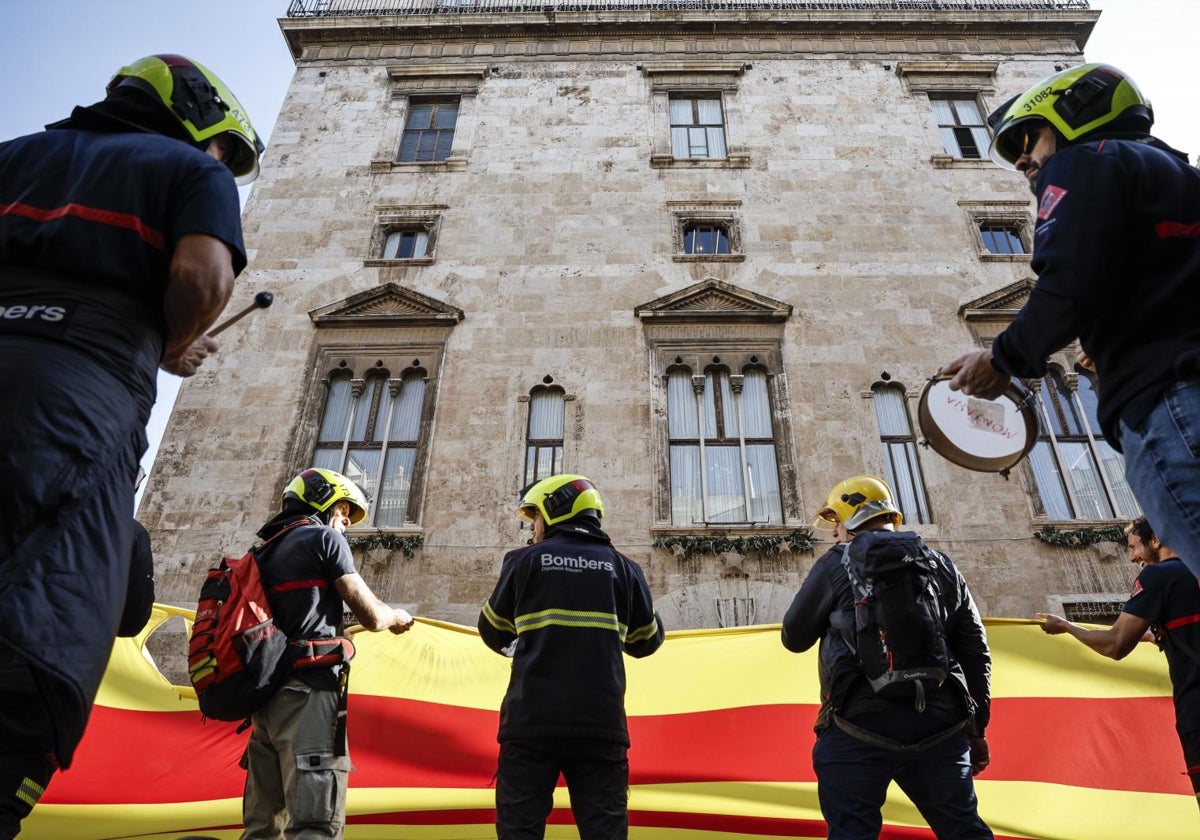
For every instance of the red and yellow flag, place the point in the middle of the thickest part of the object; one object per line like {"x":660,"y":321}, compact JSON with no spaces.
{"x":721,"y":724}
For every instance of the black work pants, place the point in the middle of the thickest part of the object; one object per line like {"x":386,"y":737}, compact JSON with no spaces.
{"x":597,"y":775}
{"x":26,"y":743}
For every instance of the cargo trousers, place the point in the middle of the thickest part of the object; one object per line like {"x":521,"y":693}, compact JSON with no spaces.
{"x":295,"y":780}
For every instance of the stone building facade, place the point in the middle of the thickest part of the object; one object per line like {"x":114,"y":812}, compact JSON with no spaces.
{"x":627,"y":222}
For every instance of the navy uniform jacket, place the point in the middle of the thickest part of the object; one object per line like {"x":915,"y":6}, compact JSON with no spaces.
{"x":88,"y":225}
{"x":1117,"y":255}
{"x":568,"y":607}
{"x":1167,"y":596}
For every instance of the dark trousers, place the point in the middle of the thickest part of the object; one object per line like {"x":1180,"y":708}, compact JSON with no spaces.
{"x":597,"y":774}
{"x":1191,"y":756}
{"x":26,"y":743}
{"x":853,"y":777}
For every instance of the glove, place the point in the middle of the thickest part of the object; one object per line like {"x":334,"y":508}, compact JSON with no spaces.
{"x":981,"y":756}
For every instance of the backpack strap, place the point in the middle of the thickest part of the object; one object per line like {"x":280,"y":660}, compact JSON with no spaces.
{"x":889,"y":744}
{"x":340,"y":744}
{"x":291,"y":526}
{"x":859,"y":593}
{"x":322,"y":653}
{"x":861,"y":590}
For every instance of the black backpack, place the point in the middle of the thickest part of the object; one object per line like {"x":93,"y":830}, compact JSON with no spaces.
{"x":898,"y":633}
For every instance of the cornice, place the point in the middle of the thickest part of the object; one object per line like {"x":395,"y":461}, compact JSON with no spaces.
{"x":387,"y":305}
{"x":360,"y":33}
{"x":1000,"y":304}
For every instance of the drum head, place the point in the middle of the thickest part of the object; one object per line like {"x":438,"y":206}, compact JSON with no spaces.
{"x":984,"y":435}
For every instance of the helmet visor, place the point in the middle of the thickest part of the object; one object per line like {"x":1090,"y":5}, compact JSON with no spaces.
{"x":826,"y":520}
{"x":1014,"y":140}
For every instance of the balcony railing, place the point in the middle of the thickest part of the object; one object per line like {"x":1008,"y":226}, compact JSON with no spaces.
{"x":338,"y":8}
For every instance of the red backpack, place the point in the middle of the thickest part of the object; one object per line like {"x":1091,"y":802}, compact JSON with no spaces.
{"x":237,"y":656}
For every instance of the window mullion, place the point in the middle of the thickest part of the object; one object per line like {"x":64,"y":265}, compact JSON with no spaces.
{"x":393,"y":387}
{"x":735,"y":386}
{"x":698,"y":389}
{"x":1096,"y":459}
{"x":356,"y":391}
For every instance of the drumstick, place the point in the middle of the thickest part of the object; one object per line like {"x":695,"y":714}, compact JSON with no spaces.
{"x":261,"y":301}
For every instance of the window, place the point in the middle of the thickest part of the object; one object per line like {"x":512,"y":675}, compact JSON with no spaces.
{"x":960,"y":122}
{"x":428,"y":131}
{"x":1001,"y":239}
{"x":721,"y":419}
{"x":697,"y":127}
{"x":705,"y":239}
{"x":544,"y":434}
{"x":722,"y":448}
{"x":1078,"y":475}
{"x":371,"y":431}
{"x":432,"y":115}
{"x":370,"y":405}
{"x":405,"y":244}
{"x":406,"y":233}
{"x":900,"y":452}
{"x":1000,"y":228}
{"x":706,"y":230}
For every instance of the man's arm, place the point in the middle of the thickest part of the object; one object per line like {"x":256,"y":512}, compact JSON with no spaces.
{"x":646,"y":631}
{"x":200,"y":284}
{"x":967,"y":639}
{"x":807,"y":618}
{"x":1114,"y":642}
{"x":372,"y":613}
{"x":497,"y":620}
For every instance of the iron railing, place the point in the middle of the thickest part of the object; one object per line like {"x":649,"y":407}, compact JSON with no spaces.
{"x":339,"y":8}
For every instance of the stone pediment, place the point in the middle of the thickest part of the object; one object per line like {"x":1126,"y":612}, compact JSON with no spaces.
{"x":1002,"y":304}
{"x":388,"y":305}
{"x":714,"y":301}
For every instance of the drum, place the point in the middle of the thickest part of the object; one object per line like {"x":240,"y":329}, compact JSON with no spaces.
{"x":983,"y":435}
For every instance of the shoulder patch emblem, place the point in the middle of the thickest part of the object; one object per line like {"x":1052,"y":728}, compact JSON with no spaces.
{"x":1051,"y":196}
{"x":1137,"y":589}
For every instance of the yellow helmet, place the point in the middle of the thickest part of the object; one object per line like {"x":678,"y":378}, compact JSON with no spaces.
{"x":200,"y":102}
{"x":559,"y":498}
{"x":856,"y":501}
{"x":320,"y":489}
{"x":1077,"y":102}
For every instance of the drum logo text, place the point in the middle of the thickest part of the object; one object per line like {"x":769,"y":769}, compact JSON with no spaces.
{"x":985,"y":415}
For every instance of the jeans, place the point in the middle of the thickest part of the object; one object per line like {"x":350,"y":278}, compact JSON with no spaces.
{"x":1162,"y":466}
{"x":853,"y":777}
{"x":597,"y":774}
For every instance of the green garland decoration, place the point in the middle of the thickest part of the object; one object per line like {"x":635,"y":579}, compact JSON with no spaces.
{"x":1080,"y":537}
{"x":408,"y":543}
{"x":799,"y":540}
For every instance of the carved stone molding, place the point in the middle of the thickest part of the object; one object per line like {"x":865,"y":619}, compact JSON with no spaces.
{"x":388,"y":305}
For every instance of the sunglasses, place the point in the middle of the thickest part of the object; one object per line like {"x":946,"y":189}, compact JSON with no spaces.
{"x":1028,"y":137}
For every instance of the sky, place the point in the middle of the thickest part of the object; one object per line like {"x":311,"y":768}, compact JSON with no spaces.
{"x":60,"y":53}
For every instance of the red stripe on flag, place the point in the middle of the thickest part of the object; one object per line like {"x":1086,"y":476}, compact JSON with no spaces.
{"x":92,"y":214}
{"x":1166,"y":230}
{"x":398,"y":743}
{"x":724,"y":823}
